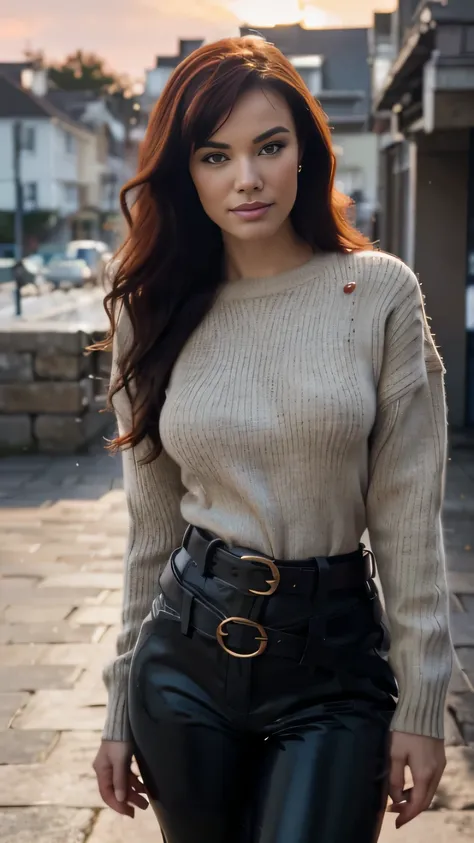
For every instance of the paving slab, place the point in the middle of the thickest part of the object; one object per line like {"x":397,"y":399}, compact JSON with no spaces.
{"x":463,"y":705}
{"x":74,"y":749}
{"x":38,"y":677}
{"x":84,"y":655}
{"x":44,"y":633}
{"x":31,"y":613}
{"x":115,"y":598}
{"x":456,"y":791}
{"x":467,"y":601}
{"x":96,"y":615}
{"x":113,"y":828}
{"x":21,"y":654}
{"x":462,"y":628}
{"x":45,"y":824}
{"x":11,"y":704}
{"x":64,"y":711}
{"x":466,"y":658}
{"x":33,"y":566}
{"x":85,"y":579}
{"x":40,"y":784}
{"x":47,"y":596}
{"x":31,"y":747}
{"x":461,"y":582}
{"x":432,"y":826}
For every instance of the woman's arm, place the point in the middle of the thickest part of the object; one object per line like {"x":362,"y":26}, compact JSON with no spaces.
{"x":407,"y":473}
{"x":153,"y":493}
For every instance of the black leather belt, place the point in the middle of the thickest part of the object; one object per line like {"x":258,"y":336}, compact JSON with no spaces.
{"x":246,"y":638}
{"x":260,"y":575}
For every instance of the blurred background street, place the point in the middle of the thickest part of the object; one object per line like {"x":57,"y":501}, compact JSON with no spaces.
{"x":396,"y":80}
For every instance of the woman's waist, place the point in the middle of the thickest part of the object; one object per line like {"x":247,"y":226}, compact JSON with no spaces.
{"x":240,"y":581}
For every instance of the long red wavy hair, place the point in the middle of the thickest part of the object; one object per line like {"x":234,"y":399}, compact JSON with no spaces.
{"x":169,"y":267}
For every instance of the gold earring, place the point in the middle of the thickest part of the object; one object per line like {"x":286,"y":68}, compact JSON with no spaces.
{"x":300,"y":168}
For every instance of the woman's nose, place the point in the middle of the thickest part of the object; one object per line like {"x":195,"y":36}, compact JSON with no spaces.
{"x":247,"y":177}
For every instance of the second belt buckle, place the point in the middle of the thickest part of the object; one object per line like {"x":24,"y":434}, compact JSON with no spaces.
{"x":263,"y":639}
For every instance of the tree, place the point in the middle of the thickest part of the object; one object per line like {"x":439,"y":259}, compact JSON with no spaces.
{"x":82,"y":71}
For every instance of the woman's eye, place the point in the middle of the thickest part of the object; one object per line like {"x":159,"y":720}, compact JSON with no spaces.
{"x":211,"y":159}
{"x":271,"y":148}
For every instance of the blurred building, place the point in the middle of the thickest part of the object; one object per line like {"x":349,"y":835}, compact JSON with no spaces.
{"x":115,"y":155}
{"x":157,"y":77}
{"x":73,"y":157}
{"x":423,"y":114}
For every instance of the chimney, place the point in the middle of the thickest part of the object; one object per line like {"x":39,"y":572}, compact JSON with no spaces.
{"x":35,"y":80}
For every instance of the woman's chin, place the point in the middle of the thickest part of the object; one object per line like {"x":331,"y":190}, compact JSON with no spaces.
{"x":258,"y":230}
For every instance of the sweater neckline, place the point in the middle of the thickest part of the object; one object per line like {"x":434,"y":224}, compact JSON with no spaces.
{"x":246,"y":288}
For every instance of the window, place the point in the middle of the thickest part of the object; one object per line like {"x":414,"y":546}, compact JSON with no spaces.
{"x":71,"y":194}
{"x":30,"y":195}
{"x":310,"y":69}
{"x":470,"y":39}
{"x":29,"y":138}
{"x":70,"y":142}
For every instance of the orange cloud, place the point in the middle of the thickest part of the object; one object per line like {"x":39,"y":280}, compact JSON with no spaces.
{"x":15,"y":28}
{"x":129,"y":33}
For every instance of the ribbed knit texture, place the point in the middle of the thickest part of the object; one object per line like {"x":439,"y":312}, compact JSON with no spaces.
{"x":297,"y":416}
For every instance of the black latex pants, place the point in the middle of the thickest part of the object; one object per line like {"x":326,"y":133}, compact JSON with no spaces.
{"x":262,"y":750}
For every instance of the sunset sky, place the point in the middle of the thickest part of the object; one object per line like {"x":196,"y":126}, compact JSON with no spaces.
{"x":129,"y":33}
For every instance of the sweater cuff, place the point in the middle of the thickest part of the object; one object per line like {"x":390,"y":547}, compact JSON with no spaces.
{"x":117,"y":726}
{"x":422,"y":716}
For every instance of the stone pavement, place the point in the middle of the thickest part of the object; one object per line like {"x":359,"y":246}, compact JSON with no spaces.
{"x":62,"y":533}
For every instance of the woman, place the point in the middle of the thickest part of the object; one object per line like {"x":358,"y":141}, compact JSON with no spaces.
{"x":277,"y":391}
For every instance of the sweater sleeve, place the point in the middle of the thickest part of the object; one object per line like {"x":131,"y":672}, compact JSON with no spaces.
{"x":153,"y":494}
{"x":406,"y":488}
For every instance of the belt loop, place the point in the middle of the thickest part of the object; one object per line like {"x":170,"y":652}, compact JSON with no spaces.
{"x":186,"y":606}
{"x":186,"y":536}
{"x":322,"y":589}
{"x":204,"y":560}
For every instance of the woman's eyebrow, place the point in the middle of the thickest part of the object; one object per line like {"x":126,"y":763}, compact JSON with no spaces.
{"x":264,"y":136}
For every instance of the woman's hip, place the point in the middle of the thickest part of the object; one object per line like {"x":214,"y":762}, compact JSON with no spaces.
{"x":247,"y":640}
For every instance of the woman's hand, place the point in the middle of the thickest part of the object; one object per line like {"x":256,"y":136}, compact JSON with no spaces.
{"x":426,"y":759}
{"x":119,"y":787}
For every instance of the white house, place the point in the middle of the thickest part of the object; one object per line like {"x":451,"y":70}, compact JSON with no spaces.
{"x":58,"y":156}
{"x":74,"y":157}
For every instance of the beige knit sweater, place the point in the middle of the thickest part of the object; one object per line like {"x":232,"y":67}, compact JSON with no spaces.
{"x":297,"y":416}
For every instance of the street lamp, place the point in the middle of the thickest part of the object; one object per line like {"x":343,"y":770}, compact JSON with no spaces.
{"x":18,"y":270}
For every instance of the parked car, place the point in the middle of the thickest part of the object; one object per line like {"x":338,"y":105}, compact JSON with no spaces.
{"x":64,"y":270}
{"x":94,"y":252}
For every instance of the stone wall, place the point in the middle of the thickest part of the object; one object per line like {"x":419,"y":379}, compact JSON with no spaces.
{"x":51,"y":392}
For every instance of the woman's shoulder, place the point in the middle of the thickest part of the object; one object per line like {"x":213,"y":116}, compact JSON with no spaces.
{"x":383,"y":268}
{"x":384,"y":272}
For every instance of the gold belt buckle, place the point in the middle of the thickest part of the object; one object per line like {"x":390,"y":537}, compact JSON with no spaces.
{"x":245,"y":622}
{"x":273,"y":583}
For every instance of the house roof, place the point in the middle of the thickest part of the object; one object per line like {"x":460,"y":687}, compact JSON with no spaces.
{"x":17,"y":102}
{"x":345,"y":53}
{"x":72,"y":103}
{"x":186,"y":46}
{"x":13,"y":69}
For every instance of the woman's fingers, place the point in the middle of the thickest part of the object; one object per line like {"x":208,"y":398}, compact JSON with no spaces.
{"x":397,"y":779}
{"x":420,"y":796}
{"x":137,"y":783}
{"x":136,"y":788}
{"x":425,"y":756}
{"x":105,"y":783}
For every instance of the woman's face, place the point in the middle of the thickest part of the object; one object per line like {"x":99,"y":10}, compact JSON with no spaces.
{"x":246,"y":174}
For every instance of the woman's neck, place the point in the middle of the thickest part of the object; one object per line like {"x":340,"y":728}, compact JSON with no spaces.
{"x":264,"y":258}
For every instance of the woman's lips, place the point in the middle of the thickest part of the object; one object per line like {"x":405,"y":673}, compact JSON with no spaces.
{"x":251,"y":213}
